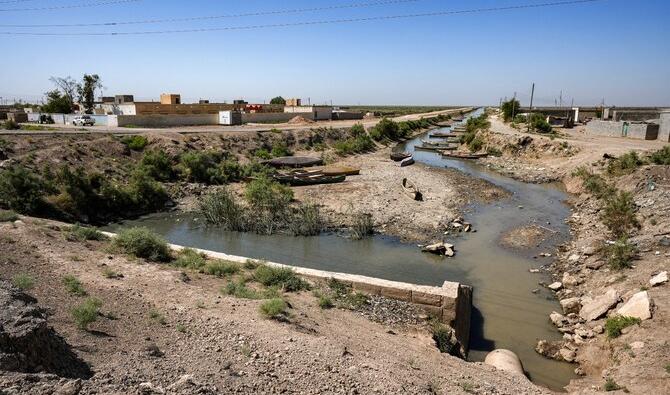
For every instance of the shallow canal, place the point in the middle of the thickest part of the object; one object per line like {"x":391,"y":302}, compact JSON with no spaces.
{"x":506,"y":312}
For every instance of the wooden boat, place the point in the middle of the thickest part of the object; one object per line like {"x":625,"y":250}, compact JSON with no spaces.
{"x":398,"y":156}
{"x":296,"y":180}
{"x":294,"y":161}
{"x":463,"y":155}
{"x":340,"y":171}
{"x":440,"y":134}
{"x":407,"y":162}
{"x":411,"y":190}
{"x":427,"y":148}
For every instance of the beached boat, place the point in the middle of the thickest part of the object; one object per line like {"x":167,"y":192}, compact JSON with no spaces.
{"x":398,"y":156}
{"x":340,"y":171}
{"x":303,"y":180}
{"x":463,"y":155}
{"x":294,"y":161}
{"x":407,"y":162}
{"x":440,"y":134}
{"x":411,"y":190}
{"x":427,"y":148}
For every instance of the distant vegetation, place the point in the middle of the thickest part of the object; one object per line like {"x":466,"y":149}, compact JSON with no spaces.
{"x":472,"y":126}
{"x":510,"y":109}
{"x":395,"y":111}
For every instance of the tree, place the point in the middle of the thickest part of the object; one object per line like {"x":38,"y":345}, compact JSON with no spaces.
{"x":278,"y":100}
{"x":87,"y":91}
{"x":57,"y":103}
{"x":510,"y":108}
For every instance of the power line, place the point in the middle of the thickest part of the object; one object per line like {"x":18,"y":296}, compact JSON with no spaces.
{"x":308,"y":23}
{"x":201,"y":18}
{"x":65,"y":7}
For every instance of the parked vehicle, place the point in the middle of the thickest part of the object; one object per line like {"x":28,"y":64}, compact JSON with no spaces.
{"x":83,"y":120}
{"x":45,"y":119}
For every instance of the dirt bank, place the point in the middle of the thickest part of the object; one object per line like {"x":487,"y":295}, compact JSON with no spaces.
{"x":161,"y":330}
{"x":590,"y":290}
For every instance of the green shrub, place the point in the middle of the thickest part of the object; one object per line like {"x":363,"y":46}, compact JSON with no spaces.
{"x":357,"y":130}
{"x":145,"y":193}
{"x":86,"y":313}
{"x":510,"y":109}
{"x":8,"y":216}
{"x":662,"y":156}
{"x":520,"y":119}
{"x":325,"y":302}
{"x":210,"y":167}
{"x":219,"y":208}
{"x":493,"y":151}
{"x":475,"y":124}
{"x":625,"y":164}
{"x":618,"y":214}
{"x":358,"y":144}
{"x":362,"y":226}
{"x":594,"y":183}
{"x":306,"y":220}
{"x":280,"y":149}
{"x":385,"y":129}
{"x":620,"y":254}
{"x":274,"y":308}
{"x":467,"y":137}
{"x":262,"y":153}
{"x":284,"y":278}
{"x":614,"y":325}
{"x":157,"y":165}
{"x":221,"y":268}
{"x":135,"y":143}
{"x":143,"y":243}
{"x":23,"y":281}
{"x":611,"y":385}
{"x":475,"y":144}
{"x":73,"y":285}
{"x":157,"y":316}
{"x":444,"y":339}
{"x":80,"y":233}
{"x":110,"y":273}
{"x":239,"y":289}
{"x":539,"y":123}
{"x":10,"y":124}
{"x":191,"y":259}
{"x":21,"y":190}
{"x":268,"y":204}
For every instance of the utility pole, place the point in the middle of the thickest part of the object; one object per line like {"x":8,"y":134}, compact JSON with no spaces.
{"x":560,"y":100}
{"x":530,"y":109}
{"x":513,"y":105}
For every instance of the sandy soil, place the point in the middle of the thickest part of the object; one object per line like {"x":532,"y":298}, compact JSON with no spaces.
{"x":221,"y":342}
{"x":545,"y":160}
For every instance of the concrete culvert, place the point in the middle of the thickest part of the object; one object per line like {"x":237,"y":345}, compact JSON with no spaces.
{"x":505,"y":360}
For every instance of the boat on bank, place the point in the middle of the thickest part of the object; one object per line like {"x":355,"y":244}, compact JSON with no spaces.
{"x":411,"y":190}
{"x":462,"y":155}
{"x":398,"y":156}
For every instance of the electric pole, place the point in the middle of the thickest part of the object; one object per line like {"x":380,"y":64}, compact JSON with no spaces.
{"x":530,"y":109}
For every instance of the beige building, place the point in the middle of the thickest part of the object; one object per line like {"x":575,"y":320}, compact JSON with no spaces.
{"x":316,"y":113}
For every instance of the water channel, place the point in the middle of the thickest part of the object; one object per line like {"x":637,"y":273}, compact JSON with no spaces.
{"x":506,"y":312}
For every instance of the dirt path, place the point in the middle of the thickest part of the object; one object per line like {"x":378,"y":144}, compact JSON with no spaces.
{"x":367,"y":122}
{"x":161,"y":332}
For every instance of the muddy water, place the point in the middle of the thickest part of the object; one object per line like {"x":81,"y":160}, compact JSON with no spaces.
{"x":507,"y":314}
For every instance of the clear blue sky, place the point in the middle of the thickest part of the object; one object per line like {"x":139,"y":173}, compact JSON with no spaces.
{"x":613,"y":49}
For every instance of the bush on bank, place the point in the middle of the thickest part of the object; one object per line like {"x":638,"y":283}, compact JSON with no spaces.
{"x":143,"y":243}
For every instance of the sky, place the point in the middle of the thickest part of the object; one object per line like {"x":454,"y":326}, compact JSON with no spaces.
{"x":612,"y":50}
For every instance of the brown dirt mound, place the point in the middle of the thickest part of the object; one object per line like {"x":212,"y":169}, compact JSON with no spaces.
{"x":299,"y":120}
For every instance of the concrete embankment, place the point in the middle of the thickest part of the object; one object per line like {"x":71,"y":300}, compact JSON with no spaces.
{"x":451,"y":303}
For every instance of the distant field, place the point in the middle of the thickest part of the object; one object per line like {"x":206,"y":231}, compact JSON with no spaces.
{"x":396,"y":110}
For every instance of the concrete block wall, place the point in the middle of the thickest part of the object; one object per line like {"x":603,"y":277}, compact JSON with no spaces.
{"x":664,"y":127}
{"x":451,"y":303}
{"x":163,"y":120}
{"x":273,"y":116}
{"x":641,"y":131}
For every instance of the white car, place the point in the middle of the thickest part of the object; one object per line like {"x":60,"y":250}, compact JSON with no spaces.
{"x":83,"y":120}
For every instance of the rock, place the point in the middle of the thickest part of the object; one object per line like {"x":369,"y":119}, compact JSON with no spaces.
{"x":659,"y":279}
{"x":595,"y":264}
{"x":589,"y":250}
{"x":549,"y":349}
{"x":534,"y":270}
{"x":585,"y":333}
{"x":28,"y":344}
{"x":187,"y":385}
{"x":567,"y":355}
{"x":439,"y":249}
{"x":638,"y":306}
{"x":555,"y":286}
{"x":570,"y":305}
{"x":148,"y":388}
{"x":637,"y":345}
{"x":505,"y":360}
{"x":573,"y":258}
{"x":570,"y":280}
{"x":598,"y":329}
{"x":72,"y":387}
{"x":557,"y":319}
{"x":597,"y":307}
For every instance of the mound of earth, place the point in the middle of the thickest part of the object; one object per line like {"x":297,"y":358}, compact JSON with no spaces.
{"x":27,"y":344}
{"x":299,"y":120}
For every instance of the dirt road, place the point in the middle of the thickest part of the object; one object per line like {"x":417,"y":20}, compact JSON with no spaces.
{"x":367,"y":122}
